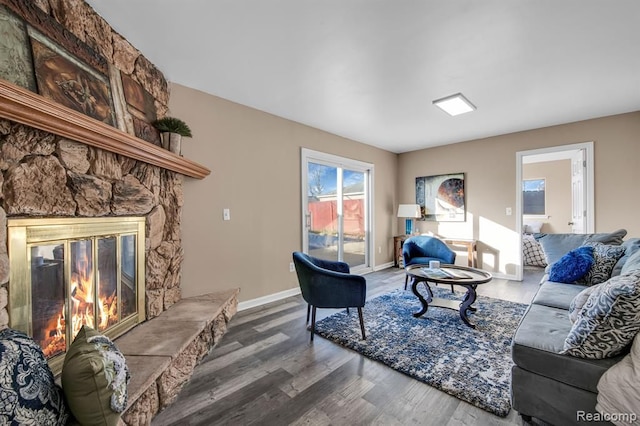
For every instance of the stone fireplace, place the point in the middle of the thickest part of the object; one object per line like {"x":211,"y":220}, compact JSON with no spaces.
{"x":56,"y":162}
{"x":45,"y":176}
{"x":66,"y":273}
{"x":91,"y":211}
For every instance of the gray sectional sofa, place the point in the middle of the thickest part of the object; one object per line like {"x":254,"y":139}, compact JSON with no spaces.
{"x":556,"y":388}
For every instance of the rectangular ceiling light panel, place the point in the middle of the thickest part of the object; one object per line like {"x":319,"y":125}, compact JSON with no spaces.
{"x":455,"y":104}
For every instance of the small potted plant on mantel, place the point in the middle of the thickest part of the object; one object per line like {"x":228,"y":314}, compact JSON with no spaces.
{"x":171,"y":131}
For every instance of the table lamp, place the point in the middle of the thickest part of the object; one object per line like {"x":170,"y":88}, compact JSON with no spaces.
{"x":410,"y":212}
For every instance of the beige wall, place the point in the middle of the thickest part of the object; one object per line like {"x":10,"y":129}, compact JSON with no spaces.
{"x":255,"y":163}
{"x":489,"y":165}
{"x":557,"y":175}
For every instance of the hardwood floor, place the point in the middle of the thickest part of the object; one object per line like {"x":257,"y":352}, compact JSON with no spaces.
{"x":266,"y":372}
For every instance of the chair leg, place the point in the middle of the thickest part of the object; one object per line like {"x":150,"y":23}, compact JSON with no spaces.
{"x":313,"y":322}
{"x":406,"y":280}
{"x":308,"y":312}
{"x":347,"y":311}
{"x":364,"y":337}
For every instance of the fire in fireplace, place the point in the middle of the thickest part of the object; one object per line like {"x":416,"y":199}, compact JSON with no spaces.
{"x":70,"y":272}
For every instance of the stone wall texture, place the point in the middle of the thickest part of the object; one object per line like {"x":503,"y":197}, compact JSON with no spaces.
{"x":45,"y":175}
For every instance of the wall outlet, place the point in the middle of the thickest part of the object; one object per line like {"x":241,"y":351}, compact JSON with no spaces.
{"x":508,"y":211}
{"x":379,"y":249}
{"x":226,"y":214}
{"x":292,"y":267}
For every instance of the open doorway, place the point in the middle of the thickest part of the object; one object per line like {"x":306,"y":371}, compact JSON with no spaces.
{"x":555,"y":192}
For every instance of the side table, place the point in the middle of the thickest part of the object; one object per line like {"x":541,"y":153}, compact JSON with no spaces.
{"x":398,"y":240}
{"x":471,"y":249}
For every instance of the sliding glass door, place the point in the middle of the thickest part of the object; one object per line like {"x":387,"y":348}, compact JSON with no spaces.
{"x":336,"y":206}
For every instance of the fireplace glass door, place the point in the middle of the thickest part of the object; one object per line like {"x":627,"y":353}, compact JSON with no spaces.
{"x":47,"y":294}
{"x":64,"y":277}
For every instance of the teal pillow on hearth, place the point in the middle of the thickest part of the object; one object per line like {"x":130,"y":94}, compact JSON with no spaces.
{"x":572,"y":266}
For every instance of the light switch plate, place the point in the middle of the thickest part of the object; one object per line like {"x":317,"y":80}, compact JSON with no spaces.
{"x":226,"y":214}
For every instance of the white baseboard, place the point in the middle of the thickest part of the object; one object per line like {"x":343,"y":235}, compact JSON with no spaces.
{"x":504,"y":276}
{"x":247,"y":304}
{"x":383,"y":266}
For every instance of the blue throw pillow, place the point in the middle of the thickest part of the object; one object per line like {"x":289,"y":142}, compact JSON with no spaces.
{"x":572,"y":266}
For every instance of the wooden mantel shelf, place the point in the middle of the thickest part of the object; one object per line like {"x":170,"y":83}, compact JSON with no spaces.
{"x":25,"y":107}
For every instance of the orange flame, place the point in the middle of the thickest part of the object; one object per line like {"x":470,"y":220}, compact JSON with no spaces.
{"x":82,"y":309}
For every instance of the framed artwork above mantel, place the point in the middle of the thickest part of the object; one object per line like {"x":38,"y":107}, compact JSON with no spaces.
{"x":52,"y":81}
{"x":441,"y":197}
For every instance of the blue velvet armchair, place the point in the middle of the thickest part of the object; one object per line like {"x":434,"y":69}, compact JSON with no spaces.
{"x":328,"y":284}
{"x":421,"y":249}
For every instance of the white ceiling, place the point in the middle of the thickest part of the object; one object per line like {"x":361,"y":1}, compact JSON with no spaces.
{"x":369,"y":70}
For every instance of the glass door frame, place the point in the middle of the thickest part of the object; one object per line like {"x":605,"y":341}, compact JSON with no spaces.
{"x":310,"y":156}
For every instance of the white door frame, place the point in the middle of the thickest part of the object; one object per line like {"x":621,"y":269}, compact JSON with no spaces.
{"x":307,"y":155}
{"x":589,"y":183}
{"x":578,"y":196}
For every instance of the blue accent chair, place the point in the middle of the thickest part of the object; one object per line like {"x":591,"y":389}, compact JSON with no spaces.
{"x":328,"y":284}
{"x":421,"y":249}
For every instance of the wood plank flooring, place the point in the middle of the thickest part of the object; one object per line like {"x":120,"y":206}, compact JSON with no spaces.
{"x":266,"y":372}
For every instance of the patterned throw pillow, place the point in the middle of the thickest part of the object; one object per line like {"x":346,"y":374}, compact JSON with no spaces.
{"x":576,"y":305}
{"x":605,"y":258}
{"x":632,"y":263}
{"x":28,"y":393}
{"x":95,"y":378}
{"x":572,"y":266}
{"x":608,"y":321}
{"x":532,"y":252}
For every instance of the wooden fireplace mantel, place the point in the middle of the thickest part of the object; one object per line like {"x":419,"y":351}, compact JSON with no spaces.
{"x":25,"y":107}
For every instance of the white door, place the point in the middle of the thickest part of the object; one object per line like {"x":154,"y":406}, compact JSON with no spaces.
{"x":578,"y":193}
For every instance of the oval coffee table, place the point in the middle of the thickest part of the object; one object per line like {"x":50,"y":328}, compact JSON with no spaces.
{"x":462,"y":276}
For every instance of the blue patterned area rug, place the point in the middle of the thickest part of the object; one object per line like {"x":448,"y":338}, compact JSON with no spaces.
{"x":437,"y":348}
